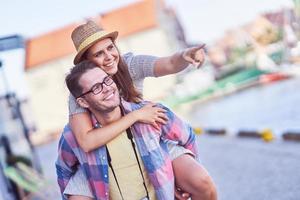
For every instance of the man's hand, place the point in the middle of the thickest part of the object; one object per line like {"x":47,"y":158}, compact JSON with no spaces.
{"x":194,"y":55}
{"x":181,"y":195}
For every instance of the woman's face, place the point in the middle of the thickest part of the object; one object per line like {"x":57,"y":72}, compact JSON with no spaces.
{"x":105,"y":54}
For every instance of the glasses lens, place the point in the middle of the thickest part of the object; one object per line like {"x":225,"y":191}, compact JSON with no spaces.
{"x":97,"y":88}
{"x":108,"y":80}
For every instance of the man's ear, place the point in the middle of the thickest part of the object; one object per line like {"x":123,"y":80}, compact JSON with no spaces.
{"x":82,"y":102}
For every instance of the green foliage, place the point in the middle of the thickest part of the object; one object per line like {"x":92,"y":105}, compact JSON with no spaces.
{"x":277,"y":56}
{"x":238,"y":53}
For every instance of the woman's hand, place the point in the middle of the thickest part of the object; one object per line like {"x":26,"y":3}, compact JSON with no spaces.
{"x":194,"y":55}
{"x":150,"y":114}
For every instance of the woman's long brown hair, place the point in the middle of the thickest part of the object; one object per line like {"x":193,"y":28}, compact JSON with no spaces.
{"x":125,"y":84}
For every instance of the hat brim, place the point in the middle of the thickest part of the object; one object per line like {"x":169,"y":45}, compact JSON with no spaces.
{"x":78,"y":57}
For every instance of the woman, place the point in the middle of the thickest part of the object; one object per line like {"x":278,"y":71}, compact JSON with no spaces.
{"x":96,"y":45}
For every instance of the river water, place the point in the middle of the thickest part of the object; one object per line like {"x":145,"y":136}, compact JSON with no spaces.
{"x":275,"y":106}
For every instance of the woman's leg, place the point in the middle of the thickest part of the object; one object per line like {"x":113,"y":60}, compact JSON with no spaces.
{"x":193,"y":178}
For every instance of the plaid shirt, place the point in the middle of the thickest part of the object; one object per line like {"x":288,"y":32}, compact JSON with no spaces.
{"x":151,"y":144}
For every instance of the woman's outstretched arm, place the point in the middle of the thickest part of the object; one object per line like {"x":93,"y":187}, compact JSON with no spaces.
{"x":179,"y":61}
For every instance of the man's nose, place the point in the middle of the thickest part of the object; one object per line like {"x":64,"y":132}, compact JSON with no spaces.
{"x":105,"y":88}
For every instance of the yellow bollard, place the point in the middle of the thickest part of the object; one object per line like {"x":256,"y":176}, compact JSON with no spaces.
{"x":267,"y":135}
{"x":198,"y":130}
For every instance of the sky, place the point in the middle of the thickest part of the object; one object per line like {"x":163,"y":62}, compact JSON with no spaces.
{"x":208,"y":19}
{"x":203,"y":20}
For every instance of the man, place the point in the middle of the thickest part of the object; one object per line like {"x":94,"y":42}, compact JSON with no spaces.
{"x":99,"y":46}
{"x":96,"y":91}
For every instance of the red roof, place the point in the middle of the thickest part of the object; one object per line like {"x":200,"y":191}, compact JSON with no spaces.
{"x":56,"y":44}
{"x":49,"y":46}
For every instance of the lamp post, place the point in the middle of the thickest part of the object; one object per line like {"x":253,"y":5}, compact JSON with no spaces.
{"x":15,"y":104}
{"x":5,"y":185}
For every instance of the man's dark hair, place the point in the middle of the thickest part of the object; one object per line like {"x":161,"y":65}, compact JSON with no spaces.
{"x":72,"y":79}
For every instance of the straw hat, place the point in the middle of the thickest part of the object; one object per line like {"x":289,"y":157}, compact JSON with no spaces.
{"x":86,"y":35}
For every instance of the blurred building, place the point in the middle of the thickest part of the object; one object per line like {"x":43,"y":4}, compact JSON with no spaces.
{"x":270,"y":34}
{"x":145,"y":27}
{"x":262,"y":30}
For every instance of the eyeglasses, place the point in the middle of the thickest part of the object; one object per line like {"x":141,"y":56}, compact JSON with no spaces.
{"x":98,"y":87}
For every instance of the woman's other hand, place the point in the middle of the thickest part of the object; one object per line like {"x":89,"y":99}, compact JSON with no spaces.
{"x":151,"y":114}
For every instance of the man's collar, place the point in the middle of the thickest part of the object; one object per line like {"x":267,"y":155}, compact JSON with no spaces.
{"x":126,"y":107}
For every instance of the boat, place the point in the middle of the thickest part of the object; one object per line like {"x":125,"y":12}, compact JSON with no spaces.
{"x":272,"y":77}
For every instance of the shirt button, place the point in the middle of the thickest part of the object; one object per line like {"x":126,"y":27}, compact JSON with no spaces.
{"x":103,"y":157}
{"x":106,"y":193}
{"x":105,"y":175}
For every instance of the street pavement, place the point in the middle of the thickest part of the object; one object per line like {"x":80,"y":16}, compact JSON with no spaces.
{"x":250,"y":169}
{"x":243,"y":169}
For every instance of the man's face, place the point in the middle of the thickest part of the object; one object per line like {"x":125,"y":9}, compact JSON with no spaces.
{"x":105,"y":54}
{"x":104,"y":101}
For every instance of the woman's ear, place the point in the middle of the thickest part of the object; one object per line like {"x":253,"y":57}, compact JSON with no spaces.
{"x":82,"y":102}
